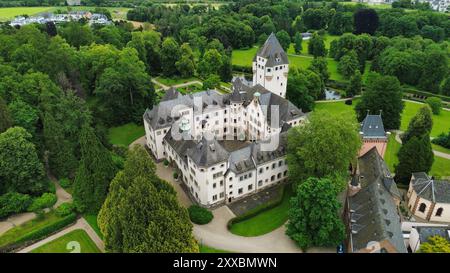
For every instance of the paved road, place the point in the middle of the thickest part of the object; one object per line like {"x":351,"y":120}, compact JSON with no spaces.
{"x":436,"y":153}
{"x":80,"y":224}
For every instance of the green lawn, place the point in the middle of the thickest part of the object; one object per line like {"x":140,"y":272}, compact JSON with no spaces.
{"x":265,"y":221}
{"x":390,"y":157}
{"x":60,"y":245}
{"x":175,"y":80}
{"x":338,"y":108}
{"x":124,"y":135}
{"x":193,"y":88}
{"x":207,"y":249}
{"x":92,"y":220}
{"x":15,"y":233}
{"x":441,"y":122}
{"x":9,"y":13}
{"x":440,"y":148}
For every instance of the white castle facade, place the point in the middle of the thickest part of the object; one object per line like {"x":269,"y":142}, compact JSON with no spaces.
{"x":227,"y":146}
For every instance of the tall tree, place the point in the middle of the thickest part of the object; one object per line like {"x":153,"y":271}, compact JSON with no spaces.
{"x":94,"y":173}
{"x":298,"y":40}
{"x":420,"y":124}
{"x":435,"y":68}
{"x":416,"y":155}
{"x":304,"y":86}
{"x":61,"y":157}
{"x":20,"y":168}
{"x":316,"y":46}
{"x":77,"y":34}
{"x":142,"y":213}
{"x":354,"y":86}
{"x":284,"y":39}
{"x":320,"y":66}
{"x":365,"y":21}
{"x":314,"y":214}
{"x":348,"y":64}
{"x":186,"y":65}
{"x":326,"y":145}
{"x":382,"y":93}
{"x":170,"y":54}
{"x":5,"y":116}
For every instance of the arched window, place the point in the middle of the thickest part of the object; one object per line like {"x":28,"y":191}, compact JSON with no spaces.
{"x":422,"y":207}
{"x":439,"y":211}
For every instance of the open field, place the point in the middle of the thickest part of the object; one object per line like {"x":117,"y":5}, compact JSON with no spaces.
{"x":9,"y":13}
{"x":265,"y":221}
{"x":60,"y":245}
{"x":441,"y":122}
{"x":124,"y":135}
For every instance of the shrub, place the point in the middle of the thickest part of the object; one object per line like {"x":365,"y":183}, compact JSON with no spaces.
{"x":435,"y":104}
{"x":45,"y":201}
{"x":118,"y":161}
{"x":120,"y":150}
{"x":65,"y":209}
{"x":442,"y":140}
{"x":199,"y":215}
{"x":175,"y":175}
{"x":349,"y":102}
{"x":51,"y":187}
{"x":13,"y":202}
{"x":65,"y":183}
{"x":166,"y":162}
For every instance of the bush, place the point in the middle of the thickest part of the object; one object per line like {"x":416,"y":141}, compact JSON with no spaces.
{"x":442,"y":140}
{"x":175,"y":175}
{"x":435,"y":104}
{"x":51,"y":187}
{"x":65,"y":183}
{"x":65,"y":209}
{"x":13,"y":202}
{"x":166,"y":162}
{"x":120,"y":150}
{"x":118,"y":161}
{"x":47,"y":230}
{"x":349,"y":102}
{"x":45,"y":201}
{"x":199,"y":215}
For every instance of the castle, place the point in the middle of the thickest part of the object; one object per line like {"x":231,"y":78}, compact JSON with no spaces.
{"x":227,"y":146}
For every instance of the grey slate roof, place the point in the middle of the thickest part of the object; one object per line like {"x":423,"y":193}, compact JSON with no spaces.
{"x":171,"y":94}
{"x":273,"y":52}
{"x":426,"y":232}
{"x":375,"y":217}
{"x":207,"y":153}
{"x":372,"y":127}
{"x":437,"y":191}
{"x":181,"y":147}
{"x":261,"y":156}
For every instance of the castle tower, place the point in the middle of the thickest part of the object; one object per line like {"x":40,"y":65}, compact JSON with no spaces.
{"x":271,"y":67}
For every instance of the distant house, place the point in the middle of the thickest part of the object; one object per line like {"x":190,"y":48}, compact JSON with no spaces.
{"x":421,"y":234}
{"x":371,"y":211}
{"x":73,"y":2}
{"x":373,"y":135}
{"x":429,"y":199}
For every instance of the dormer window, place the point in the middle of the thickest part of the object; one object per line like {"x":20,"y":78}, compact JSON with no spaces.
{"x":268,"y":69}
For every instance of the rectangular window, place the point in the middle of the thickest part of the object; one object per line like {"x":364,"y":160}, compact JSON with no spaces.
{"x":222,"y":194}
{"x":215,"y":197}
{"x":214,"y":185}
{"x":240,"y":191}
{"x":260,"y":183}
{"x":250,"y":187}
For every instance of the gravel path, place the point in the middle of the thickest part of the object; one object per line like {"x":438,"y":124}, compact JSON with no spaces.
{"x":436,"y":153}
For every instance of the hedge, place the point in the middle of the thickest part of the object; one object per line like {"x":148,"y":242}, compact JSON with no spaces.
{"x":45,"y":201}
{"x":199,"y":215}
{"x":423,"y":95}
{"x":267,"y":206}
{"x":39,"y":234}
{"x":13,"y":202}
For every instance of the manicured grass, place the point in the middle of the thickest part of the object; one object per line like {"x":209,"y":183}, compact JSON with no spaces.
{"x":338,"y":108}
{"x":13,"y":234}
{"x":9,"y":13}
{"x":207,"y":249}
{"x":60,"y":245}
{"x":124,"y":135}
{"x":193,"y":88}
{"x":440,"y":148}
{"x":390,"y":157}
{"x":92,"y":220}
{"x":175,"y":80}
{"x":441,"y":122}
{"x":266,"y":221}
{"x":441,"y":167}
